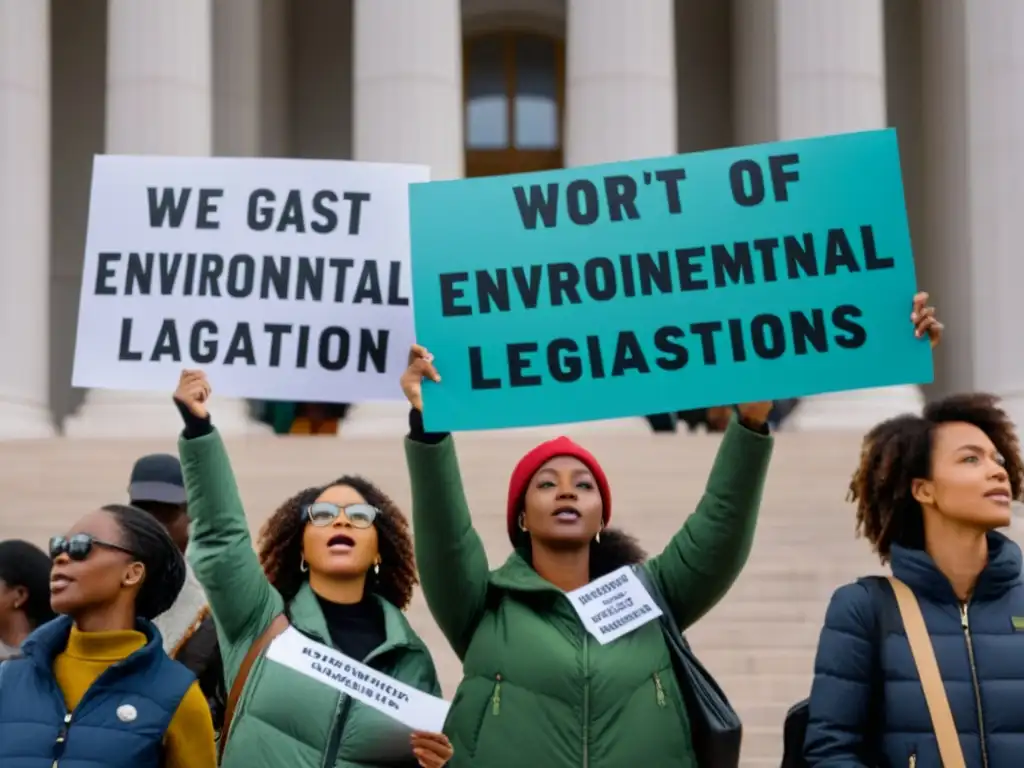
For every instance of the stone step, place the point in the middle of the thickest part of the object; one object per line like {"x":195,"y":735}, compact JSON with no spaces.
{"x":759,"y":641}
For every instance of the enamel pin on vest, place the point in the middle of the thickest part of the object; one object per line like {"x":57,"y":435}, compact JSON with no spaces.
{"x":126,"y":713}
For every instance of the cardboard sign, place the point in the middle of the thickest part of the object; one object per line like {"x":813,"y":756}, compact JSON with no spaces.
{"x":282,"y":279}
{"x":614,"y":605}
{"x":746,"y":274}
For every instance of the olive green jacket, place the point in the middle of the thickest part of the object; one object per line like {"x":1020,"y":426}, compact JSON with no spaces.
{"x":537,"y":689}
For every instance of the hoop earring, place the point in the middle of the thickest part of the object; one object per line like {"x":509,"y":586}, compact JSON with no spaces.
{"x":597,"y":539}
{"x":522,"y":522}
{"x":303,"y":565}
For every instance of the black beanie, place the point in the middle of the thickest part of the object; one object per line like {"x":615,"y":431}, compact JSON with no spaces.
{"x":25,"y":565}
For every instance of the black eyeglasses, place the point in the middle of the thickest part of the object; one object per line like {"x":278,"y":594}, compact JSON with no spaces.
{"x":79,"y":546}
{"x":323,"y":513}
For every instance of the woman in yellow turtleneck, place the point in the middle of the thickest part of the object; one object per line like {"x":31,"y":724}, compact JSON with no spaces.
{"x":95,"y":687}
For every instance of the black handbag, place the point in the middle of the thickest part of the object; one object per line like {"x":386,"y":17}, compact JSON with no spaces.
{"x":715,"y":727}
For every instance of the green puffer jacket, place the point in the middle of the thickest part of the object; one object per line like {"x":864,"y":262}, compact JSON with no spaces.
{"x":537,"y":689}
{"x":283,"y":717}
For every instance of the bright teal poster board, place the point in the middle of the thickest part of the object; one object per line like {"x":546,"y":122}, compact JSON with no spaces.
{"x":778,"y":270}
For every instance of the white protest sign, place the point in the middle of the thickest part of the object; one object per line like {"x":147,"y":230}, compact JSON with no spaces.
{"x":614,"y":605}
{"x":412,"y":708}
{"x":282,"y":279}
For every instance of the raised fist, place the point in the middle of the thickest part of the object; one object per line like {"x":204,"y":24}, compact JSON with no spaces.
{"x":194,"y":392}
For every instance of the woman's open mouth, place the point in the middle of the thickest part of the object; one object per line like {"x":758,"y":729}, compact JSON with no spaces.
{"x":341,"y":543}
{"x":569,"y":514}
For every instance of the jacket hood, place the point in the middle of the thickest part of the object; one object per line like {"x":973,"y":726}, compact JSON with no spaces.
{"x":305,"y":615}
{"x":917,"y":570}
{"x":518,"y":575}
{"x":182,"y":618}
{"x":50,"y":639}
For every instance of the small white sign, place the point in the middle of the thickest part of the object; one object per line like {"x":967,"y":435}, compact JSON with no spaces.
{"x":614,"y":605}
{"x":414,"y":709}
{"x":282,"y":279}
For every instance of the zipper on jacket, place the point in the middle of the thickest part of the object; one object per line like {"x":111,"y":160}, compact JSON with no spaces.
{"x":586,"y":699}
{"x":966,"y":624}
{"x":62,"y":737}
{"x":496,"y":697}
{"x":334,"y":737}
{"x":659,"y":692}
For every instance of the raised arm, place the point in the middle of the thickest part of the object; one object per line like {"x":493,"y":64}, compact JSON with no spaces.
{"x":450,"y":556}
{"x":841,"y":694}
{"x":242,"y":601}
{"x":704,"y":558}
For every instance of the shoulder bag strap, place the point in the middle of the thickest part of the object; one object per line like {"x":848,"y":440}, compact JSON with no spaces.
{"x":276,"y":628}
{"x":950,"y":751}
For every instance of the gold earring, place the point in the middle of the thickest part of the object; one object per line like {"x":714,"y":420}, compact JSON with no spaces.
{"x":522,"y":522}
{"x":303,"y":565}
{"x":376,"y":568}
{"x":597,"y":539}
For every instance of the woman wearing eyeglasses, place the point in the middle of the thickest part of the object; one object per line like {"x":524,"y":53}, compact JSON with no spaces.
{"x":337,"y":561}
{"x":94,"y":686}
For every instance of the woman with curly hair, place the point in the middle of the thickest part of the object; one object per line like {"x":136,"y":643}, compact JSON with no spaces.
{"x":95,"y":686}
{"x":931,"y":492}
{"x":337,"y":562}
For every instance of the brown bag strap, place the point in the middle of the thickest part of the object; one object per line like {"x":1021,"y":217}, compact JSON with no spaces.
{"x":276,"y":628}
{"x":950,"y":751}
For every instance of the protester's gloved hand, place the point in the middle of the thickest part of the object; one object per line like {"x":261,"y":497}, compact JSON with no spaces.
{"x":194,"y":392}
{"x":431,"y":749}
{"x":924,"y":320}
{"x":421,"y":364}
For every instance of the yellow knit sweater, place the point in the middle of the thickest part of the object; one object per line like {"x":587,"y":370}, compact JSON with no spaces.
{"x":189,"y":739}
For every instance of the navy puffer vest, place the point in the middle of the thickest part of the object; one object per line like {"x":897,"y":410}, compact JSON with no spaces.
{"x":120,"y":722}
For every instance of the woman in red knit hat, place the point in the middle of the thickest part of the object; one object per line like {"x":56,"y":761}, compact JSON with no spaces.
{"x":538,"y":690}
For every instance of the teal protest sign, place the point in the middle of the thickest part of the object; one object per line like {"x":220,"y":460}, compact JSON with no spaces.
{"x":723,"y":277}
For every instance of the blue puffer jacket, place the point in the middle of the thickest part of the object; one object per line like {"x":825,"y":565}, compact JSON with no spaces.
{"x":36,"y":730}
{"x":986,"y":694}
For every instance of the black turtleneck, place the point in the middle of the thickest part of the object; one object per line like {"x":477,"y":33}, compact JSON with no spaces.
{"x":357,"y":629}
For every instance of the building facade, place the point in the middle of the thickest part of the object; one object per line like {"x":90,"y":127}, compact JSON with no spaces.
{"x":484,"y":87}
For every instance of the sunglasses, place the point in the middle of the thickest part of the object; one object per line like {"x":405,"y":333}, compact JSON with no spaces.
{"x":323,"y":513}
{"x":79,"y":546}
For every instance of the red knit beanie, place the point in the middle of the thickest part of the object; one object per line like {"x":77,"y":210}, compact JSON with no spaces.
{"x":537,"y":458}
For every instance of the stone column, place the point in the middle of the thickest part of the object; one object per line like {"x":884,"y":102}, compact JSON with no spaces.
{"x":995,"y":181}
{"x":830,"y":78}
{"x":159,"y":102}
{"x":620,"y":102}
{"x":249,"y":78}
{"x":406,"y":108}
{"x":620,"y":81}
{"x":24,"y":219}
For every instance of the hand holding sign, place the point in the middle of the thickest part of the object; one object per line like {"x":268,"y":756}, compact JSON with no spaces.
{"x":194,"y":392}
{"x":432,"y":750}
{"x":754,"y":415}
{"x":924,"y":320}
{"x":421,"y":364}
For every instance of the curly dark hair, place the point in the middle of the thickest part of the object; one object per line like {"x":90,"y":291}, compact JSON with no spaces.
{"x":280,"y":543}
{"x":615,"y":549}
{"x":898,"y":451}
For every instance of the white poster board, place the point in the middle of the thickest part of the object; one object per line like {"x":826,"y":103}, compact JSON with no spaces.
{"x":614,"y":605}
{"x":409,"y":709}
{"x":282,"y":279}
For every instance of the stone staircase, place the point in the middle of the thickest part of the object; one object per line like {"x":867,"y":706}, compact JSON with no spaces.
{"x":759,"y":642}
